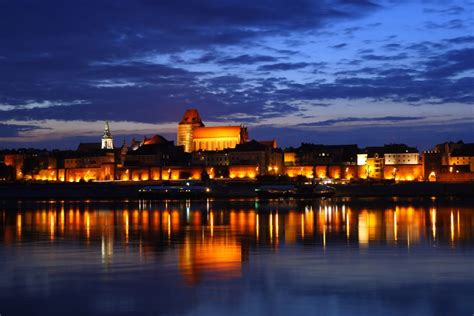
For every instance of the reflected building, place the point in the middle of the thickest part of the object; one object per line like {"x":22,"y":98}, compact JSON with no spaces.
{"x":213,"y":239}
{"x":218,"y":257}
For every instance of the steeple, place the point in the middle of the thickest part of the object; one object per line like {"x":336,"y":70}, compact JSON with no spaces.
{"x":107,"y":130}
{"x":107,"y":140}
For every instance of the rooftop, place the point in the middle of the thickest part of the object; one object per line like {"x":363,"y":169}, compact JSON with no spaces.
{"x":156,"y":139}
{"x":217,"y":132}
{"x":466,"y":150}
{"x":191,"y":116}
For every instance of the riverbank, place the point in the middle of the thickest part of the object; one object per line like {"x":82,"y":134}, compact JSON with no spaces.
{"x":406,"y":189}
{"x":240,"y":189}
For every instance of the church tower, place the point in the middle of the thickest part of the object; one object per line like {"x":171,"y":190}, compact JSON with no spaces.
{"x":107,"y":140}
{"x":190,"y":121}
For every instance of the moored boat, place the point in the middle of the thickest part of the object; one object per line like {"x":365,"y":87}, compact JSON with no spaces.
{"x":290,"y":190}
{"x":184,"y":190}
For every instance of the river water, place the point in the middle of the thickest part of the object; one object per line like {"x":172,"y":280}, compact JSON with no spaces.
{"x":237,"y":257}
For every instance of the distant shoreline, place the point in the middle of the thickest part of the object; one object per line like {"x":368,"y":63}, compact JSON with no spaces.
{"x":242,"y":189}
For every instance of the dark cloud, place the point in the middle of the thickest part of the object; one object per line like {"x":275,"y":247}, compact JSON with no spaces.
{"x":374,"y":24}
{"x":351,"y":30}
{"x":397,"y":84}
{"x":10,"y":130}
{"x":363,"y":120}
{"x":451,"y":24}
{"x":427,"y":48}
{"x":288,"y":52}
{"x":132,"y":60}
{"x":342,"y":45}
{"x":450,"y":63}
{"x":160,"y":93}
{"x":204,"y":59}
{"x":360,"y":71}
{"x":87,"y":50}
{"x":392,"y":46}
{"x":247,"y":60}
{"x":113,"y":29}
{"x":365,"y":51}
{"x":283,"y":66}
{"x":461,"y":40}
{"x":449,"y":10}
{"x":384,"y":57}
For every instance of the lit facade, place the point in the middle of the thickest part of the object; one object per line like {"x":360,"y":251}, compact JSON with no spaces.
{"x":390,"y":162}
{"x":289,"y":158}
{"x":456,"y":162}
{"x":401,"y":158}
{"x":156,"y":151}
{"x":210,"y":158}
{"x":322,"y":171}
{"x":89,"y":161}
{"x":261,"y":157}
{"x":403,"y":172}
{"x":245,"y":171}
{"x":194,"y":136}
{"x":190,"y":121}
{"x":318,"y":154}
{"x":218,"y":137}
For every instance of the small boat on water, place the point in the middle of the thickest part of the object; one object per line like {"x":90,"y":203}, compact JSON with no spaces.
{"x":276,"y":190}
{"x":184,"y":190}
{"x":290,"y":190}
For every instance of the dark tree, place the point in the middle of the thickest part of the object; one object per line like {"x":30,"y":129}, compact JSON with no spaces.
{"x":7,"y":173}
{"x":300,"y":179}
{"x":31,"y":166}
{"x":184,"y":175}
{"x":222,"y":172}
{"x":204,"y":175}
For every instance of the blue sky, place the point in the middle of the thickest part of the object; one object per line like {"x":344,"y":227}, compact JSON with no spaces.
{"x":329,"y":71}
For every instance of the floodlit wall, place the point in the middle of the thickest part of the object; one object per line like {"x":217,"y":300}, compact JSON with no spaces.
{"x":15,"y":161}
{"x":185,"y":136}
{"x":295,"y":171}
{"x":156,"y":173}
{"x":401,"y":159}
{"x":241,"y":172}
{"x":459,"y":160}
{"x":322,"y":172}
{"x":403,"y":172}
{"x":289,"y":158}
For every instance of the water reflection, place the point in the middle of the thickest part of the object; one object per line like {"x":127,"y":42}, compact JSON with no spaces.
{"x":210,"y":234}
{"x":290,"y":223}
{"x":294,"y":245}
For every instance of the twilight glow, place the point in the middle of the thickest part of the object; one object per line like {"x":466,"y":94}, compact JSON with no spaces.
{"x":333,"y":71}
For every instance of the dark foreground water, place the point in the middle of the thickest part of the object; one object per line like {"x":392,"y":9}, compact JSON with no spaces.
{"x":325,"y":257}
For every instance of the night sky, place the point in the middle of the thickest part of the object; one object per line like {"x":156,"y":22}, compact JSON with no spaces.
{"x":322,"y":71}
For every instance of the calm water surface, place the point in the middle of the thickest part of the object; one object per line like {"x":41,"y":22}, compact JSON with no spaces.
{"x":324,"y":257}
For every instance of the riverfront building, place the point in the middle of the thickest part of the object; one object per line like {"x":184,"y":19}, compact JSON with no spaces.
{"x":225,"y":152}
{"x":397,"y":162}
{"x":449,"y":162}
{"x":194,"y":136}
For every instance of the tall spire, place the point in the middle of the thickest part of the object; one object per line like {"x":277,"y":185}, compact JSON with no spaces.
{"x":107,"y":140}
{"x":107,"y":130}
